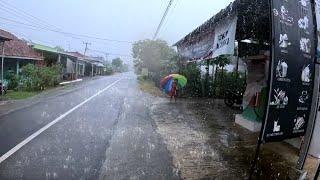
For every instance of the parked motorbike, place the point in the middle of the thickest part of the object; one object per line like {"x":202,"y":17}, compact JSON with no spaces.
{"x":233,"y":97}
{"x":4,"y":89}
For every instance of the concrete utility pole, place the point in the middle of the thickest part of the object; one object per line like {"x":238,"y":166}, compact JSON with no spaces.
{"x":85,"y":51}
{"x":86,"y":48}
{"x":107,"y":56}
{"x":162,"y":20}
{"x":2,"y":66}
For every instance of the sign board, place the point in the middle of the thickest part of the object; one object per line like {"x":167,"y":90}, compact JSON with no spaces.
{"x":200,"y":49}
{"x":145,"y":72}
{"x":224,"y":39}
{"x":292,"y":70}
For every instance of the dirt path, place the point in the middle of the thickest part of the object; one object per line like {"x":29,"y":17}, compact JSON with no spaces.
{"x":205,"y":142}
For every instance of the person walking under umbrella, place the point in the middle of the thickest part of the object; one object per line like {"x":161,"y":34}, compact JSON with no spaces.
{"x":171,"y":83}
{"x":173,"y":93}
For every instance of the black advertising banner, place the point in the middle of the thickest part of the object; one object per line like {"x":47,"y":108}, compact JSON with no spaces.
{"x":291,"y":88}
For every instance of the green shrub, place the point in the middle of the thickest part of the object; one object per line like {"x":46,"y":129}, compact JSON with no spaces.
{"x":228,"y":80}
{"x":12,"y":78}
{"x":108,"y":69}
{"x":34,"y":78}
{"x":193,"y":74}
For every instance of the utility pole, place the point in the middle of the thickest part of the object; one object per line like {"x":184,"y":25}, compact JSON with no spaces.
{"x":86,"y":48}
{"x":2,"y":66}
{"x":162,"y":20}
{"x":107,"y":57}
{"x":85,"y":51}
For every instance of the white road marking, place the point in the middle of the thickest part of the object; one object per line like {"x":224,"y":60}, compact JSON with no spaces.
{"x":34,"y":135}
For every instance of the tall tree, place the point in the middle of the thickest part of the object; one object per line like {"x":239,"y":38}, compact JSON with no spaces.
{"x":59,"y":48}
{"x":117,"y":64}
{"x":221,"y":62}
{"x":151,"y":54}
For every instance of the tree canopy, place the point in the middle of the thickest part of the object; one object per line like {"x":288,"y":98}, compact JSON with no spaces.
{"x":151,"y":54}
{"x":118,"y":65}
{"x":222,"y":60}
{"x":117,"y":62}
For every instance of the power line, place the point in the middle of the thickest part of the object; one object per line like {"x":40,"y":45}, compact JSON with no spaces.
{"x":162,"y":19}
{"x":21,"y":13}
{"x":66,"y":33}
{"x":170,"y":13}
{"x":86,"y":43}
{"x":38,"y":29}
{"x":10,"y":9}
{"x":32,"y":39}
{"x":24,"y":15}
{"x":114,"y":54}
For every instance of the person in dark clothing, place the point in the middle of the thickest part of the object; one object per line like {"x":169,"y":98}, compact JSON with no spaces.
{"x":173,"y":93}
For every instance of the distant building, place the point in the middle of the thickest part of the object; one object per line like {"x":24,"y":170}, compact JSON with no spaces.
{"x":98,"y":65}
{"x":53,"y":56}
{"x":84,"y":65}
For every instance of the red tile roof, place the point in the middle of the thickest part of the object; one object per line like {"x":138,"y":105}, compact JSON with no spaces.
{"x":18,"y":48}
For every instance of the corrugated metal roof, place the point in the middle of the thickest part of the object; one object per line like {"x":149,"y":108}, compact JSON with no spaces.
{"x":49,"y":49}
{"x":253,"y":21}
{"x":44,"y":48}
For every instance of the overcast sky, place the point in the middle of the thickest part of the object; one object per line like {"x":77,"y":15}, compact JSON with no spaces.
{"x":124,"y":20}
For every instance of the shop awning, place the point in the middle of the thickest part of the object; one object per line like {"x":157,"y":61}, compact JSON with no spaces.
{"x":3,"y":38}
{"x":99,"y":64}
{"x":52,"y":50}
{"x":252,"y":23}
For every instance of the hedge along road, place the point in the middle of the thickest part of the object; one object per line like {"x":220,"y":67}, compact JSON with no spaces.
{"x":66,"y":137}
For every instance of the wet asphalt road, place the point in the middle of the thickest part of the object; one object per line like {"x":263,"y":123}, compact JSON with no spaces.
{"x":110,"y":137}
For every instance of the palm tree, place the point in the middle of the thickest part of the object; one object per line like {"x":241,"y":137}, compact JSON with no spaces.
{"x":221,"y":62}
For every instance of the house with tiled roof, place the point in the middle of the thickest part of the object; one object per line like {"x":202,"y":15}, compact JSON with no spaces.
{"x":17,"y":53}
{"x":83,"y":64}
{"x":98,"y":63}
{"x":88,"y":65}
{"x":74,"y":64}
{"x":53,"y":56}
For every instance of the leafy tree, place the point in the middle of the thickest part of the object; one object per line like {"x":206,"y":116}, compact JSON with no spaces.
{"x":151,"y":54}
{"x":171,"y":65}
{"x":117,"y":64}
{"x":221,"y":62}
{"x":59,"y":48}
{"x":125,"y":68}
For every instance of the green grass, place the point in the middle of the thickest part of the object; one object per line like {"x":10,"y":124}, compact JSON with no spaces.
{"x":16,"y":95}
{"x":19,"y":95}
{"x":149,"y":87}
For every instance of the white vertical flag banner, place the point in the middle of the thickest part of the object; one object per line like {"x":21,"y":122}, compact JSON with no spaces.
{"x":225,"y":35}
